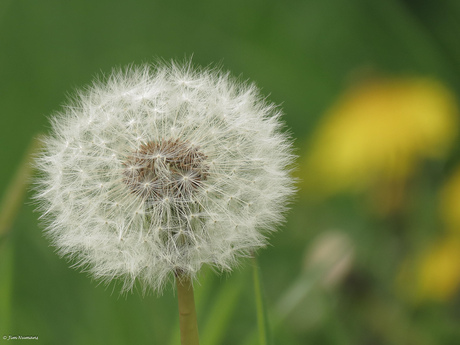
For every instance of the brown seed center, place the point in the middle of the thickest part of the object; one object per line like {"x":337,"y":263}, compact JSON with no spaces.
{"x":165,"y":169}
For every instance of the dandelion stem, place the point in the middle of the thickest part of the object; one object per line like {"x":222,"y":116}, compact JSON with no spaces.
{"x":187,"y":312}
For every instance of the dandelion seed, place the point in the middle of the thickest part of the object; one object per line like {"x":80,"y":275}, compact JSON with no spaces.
{"x":163,"y":169}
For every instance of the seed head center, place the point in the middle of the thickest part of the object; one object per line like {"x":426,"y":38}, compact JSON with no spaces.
{"x":165,"y":169}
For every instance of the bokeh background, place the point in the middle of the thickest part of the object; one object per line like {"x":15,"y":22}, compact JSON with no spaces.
{"x":370,"y":253}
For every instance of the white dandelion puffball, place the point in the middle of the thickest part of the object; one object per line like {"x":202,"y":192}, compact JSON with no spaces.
{"x":162,"y":169}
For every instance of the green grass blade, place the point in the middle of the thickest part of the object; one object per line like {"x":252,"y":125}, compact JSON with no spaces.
{"x":6,"y":285}
{"x":221,"y":311}
{"x":14,"y":195}
{"x":262,"y":319}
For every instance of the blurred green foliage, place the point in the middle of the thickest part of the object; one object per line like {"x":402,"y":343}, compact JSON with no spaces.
{"x":301,"y":53}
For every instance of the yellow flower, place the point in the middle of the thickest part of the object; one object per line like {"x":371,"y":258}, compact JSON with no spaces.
{"x":450,"y":202}
{"x":434,"y":275}
{"x":439,"y":271}
{"x":380,"y":130}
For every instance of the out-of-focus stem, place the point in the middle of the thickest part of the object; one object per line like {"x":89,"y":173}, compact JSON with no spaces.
{"x":14,"y":194}
{"x":262,"y":319}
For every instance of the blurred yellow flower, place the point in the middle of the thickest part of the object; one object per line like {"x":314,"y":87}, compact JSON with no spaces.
{"x":450,"y":202}
{"x":437,"y":272}
{"x":380,"y":130}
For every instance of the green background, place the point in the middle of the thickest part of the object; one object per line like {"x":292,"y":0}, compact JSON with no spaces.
{"x":300,"y":53}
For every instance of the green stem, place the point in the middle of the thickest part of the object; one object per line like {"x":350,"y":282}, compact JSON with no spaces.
{"x":217,"y":320}
{"x":187,"y":312}
{"x":6,"y":284}
{"x":14,"y":195}
{"x":262,"y":319}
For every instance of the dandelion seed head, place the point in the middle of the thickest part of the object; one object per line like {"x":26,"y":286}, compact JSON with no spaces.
{"x":164,"y":168}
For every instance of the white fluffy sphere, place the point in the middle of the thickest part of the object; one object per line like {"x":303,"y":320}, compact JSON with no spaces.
{"x":163,"y":169}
